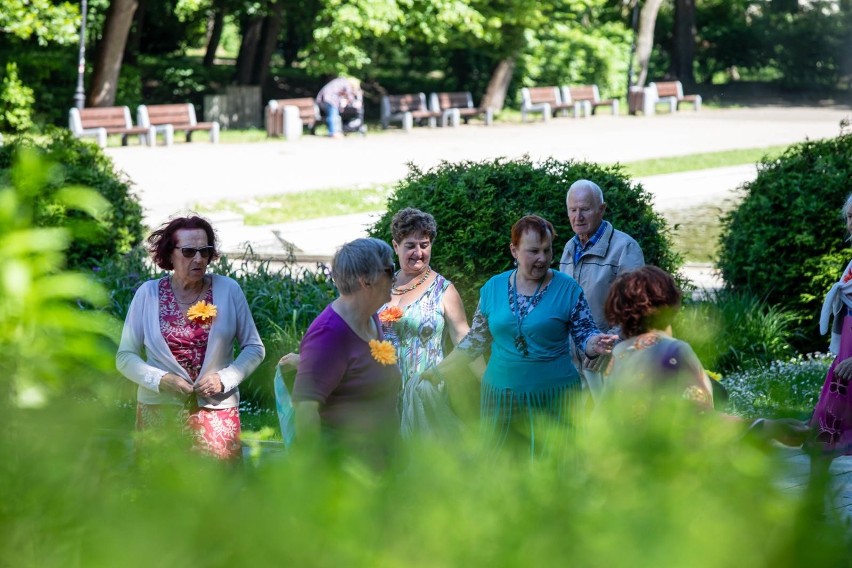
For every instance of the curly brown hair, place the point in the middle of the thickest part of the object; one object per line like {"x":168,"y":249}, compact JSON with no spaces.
{"x":162,"y":242}
{"x":642,"y":299}
{"x":411,"y":221}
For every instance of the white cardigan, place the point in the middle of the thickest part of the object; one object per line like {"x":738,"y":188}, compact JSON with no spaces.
{"x":142,"y":334}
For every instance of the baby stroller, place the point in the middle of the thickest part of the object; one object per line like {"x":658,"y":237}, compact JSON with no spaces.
{"x":351,"y":119}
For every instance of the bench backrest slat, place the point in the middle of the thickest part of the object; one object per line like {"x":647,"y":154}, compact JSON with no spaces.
{"x":453,"y":100}
{"x":669,"y":89}
{"x":170,"y":114}
{"x":538,"y":95}
{"x":585,"y":93}
{"x":308,"y":110}
{"x":106,"y":117}
{"x":406,"y":103}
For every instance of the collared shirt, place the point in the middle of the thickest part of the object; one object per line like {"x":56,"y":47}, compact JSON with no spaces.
{"x":581,"y":249}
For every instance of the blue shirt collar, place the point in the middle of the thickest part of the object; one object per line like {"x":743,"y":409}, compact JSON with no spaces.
{"x":580,"y":249}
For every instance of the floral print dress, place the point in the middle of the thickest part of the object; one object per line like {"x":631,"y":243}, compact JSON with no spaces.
{"x":214,"y":432}
{"x":832,"y":419}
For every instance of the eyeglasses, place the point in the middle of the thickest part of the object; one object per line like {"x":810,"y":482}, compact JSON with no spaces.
{"x":189,"y":252}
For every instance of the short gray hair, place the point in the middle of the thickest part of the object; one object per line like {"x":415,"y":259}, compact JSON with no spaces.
{"x":588,"y":185}
{"x":362,"y":258}
{"x":844,"y":211}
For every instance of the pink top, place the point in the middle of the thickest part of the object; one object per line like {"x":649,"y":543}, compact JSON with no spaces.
{"x":187,"y":340}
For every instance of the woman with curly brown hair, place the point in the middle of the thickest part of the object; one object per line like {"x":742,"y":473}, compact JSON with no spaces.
{"x":649,"y":365}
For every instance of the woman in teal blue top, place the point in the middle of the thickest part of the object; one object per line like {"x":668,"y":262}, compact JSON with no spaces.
{"x":527,"y":316}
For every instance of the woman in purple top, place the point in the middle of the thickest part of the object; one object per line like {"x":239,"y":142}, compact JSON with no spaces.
{"x":348,"y":383}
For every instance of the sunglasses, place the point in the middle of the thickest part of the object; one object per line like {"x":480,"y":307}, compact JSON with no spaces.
{"x":189,"y":252}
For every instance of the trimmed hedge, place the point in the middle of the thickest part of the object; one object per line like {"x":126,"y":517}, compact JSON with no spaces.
{"x":785,"y":242}
{"x":476,"y":203}
{"x":75,"y":162}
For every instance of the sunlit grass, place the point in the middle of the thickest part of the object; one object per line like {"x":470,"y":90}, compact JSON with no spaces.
{"x":704,"y":161}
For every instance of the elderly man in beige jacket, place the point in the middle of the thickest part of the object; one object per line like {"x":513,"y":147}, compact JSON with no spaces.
{"x":594,"y":257}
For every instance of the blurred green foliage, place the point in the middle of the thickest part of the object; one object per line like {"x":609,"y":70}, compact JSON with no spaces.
{"x":16,"y":102}
{"x":78,"y":162}
{"x":476,"y":203}
{"x":785,"y":242}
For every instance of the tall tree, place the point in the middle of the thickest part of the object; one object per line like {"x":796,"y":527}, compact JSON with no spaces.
{"x":645,"y":38}
{"x":216,"y":23}
{"x":683,"y":50}
{"x":110,"y":53}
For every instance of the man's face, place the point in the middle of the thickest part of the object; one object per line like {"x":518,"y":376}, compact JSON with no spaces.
{"x":585,"y":212}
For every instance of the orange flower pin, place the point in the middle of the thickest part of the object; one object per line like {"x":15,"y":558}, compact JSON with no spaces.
{"x":383,"y":352}
{"x":391,"y":314}
{"x":201,"y":312}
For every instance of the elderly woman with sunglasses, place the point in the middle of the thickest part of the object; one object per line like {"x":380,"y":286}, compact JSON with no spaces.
{"x":185,"y":325}
{"x":348,"y":383}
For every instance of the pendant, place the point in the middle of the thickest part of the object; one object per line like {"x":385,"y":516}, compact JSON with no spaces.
{"x":521,"y":345}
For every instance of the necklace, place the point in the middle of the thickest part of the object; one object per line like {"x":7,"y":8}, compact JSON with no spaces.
{"x":521,"y":341}
{"x":198,"y":297}
{"x":400,"y":291}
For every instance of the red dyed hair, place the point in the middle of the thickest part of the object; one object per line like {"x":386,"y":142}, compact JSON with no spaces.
{"x":539,"y":225}
{"x":642,"y":299}
{"x":162,"y":242}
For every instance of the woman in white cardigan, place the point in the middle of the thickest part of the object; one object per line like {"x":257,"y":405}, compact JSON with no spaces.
{"x":185,"y":324}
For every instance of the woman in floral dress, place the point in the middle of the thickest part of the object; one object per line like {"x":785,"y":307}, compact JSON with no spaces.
{"x":424,"y":311}
{"x":186,"y":324}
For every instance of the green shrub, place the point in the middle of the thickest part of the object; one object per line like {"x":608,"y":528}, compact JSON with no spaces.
{"x":475,"y":205}
{"x":16,"y":102}
{"x":785,"y":240}
{"x":81,"y":163}
{"x":731,"y":331}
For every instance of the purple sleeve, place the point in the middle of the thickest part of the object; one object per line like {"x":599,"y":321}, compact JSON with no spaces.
{"x":323,"y":363}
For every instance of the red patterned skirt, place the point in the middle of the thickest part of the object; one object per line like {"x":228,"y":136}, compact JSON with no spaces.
{"x":214,"y":432}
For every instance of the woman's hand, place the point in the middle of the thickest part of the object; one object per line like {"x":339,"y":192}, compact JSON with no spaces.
{"x":209,"y":385}
{"x":844,"y":369}
{"x":289,"y":361}
{"x":600,"y":344}
{"x":175,"y":383}
{"x":788,"y":431}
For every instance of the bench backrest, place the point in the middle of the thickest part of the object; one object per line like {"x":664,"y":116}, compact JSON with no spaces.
{"x":392,"y":104}
{"x":669,"y":89}
{"x":157,"y":115}
{"x":538,"y":95}
{"x":585,"y":93}
{"x":443,"y":101}
{"x":106,"y":117}
{"x":308,"y":109}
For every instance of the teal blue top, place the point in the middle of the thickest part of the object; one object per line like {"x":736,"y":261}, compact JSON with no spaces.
{"x":547,"y":329}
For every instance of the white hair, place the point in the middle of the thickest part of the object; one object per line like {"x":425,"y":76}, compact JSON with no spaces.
{"x":587,"y":185}
{"x":844,"y":211}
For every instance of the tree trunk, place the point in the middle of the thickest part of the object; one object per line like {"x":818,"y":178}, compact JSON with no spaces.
{"x":252,"y":29}
{"x":498,"y":85}
{"x":217,"y":24}
{"x":107,"y":68}
{"x":268,"y":43}
{"x":645,"y":38}
{"x":683,"y":53}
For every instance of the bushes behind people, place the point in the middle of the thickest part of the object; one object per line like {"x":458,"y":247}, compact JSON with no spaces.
{"x":786,"y":242}
{"x":475,"y":205}
{"x":72,"y":162}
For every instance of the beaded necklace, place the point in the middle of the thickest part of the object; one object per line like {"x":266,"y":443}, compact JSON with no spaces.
{"x":521,"y":341}
{"x":400,"y":291}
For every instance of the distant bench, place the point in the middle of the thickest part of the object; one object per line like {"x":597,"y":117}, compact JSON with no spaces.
{"x":408,"y":110}
{"x":454,"y":106}
{"x":287,"y":117}
{"x":544,"y":100}
{"x":671,"y":93}
{"x":99,"y":122}
{"x":589,"y":97}
{"x":179,"y":117}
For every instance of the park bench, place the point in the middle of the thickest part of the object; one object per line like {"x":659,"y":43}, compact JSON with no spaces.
{"x":99,"y":122}
{"x":455,"y":106}
{"x":407,"y":109}
{"x":671,"y":94}
{"x":589,"y":97}
{"x":546,"y":100}
{"x":287,"y":117}
{"x":178,"y":117}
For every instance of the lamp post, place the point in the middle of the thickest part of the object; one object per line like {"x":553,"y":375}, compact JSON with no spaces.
{"x":79,"y":94}
{"x":634,"y":26}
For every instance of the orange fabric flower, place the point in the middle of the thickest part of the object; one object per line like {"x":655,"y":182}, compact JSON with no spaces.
{"x":201,"y":312}
{"x":390,"y":314}
{"x":383,"y":352}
